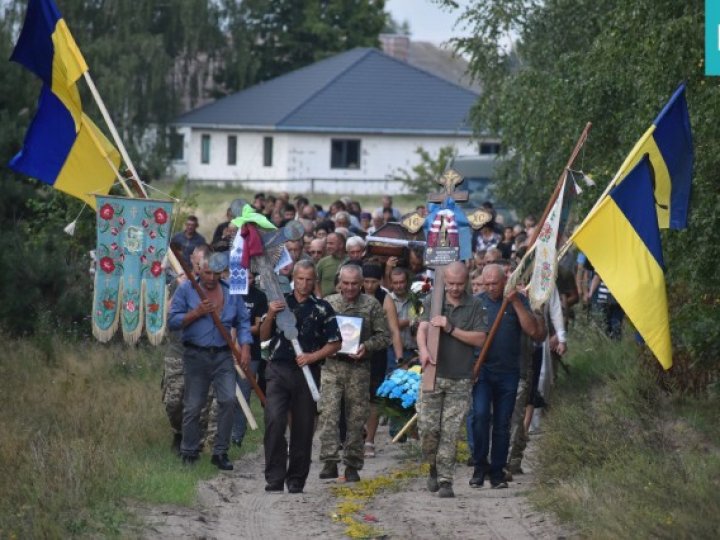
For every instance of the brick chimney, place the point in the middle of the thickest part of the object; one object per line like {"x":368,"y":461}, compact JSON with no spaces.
{"x":395,"y":45}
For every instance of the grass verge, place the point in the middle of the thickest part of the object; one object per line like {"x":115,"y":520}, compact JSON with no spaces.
{"x":83,"y":432}
{"x":621,"y":459}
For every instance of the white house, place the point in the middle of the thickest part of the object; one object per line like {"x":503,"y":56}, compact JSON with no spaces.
{"x":343,"y":125}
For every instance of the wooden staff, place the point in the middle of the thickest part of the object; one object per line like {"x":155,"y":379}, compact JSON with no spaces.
{"x":496,"y":324}
{"x":221,"y":328}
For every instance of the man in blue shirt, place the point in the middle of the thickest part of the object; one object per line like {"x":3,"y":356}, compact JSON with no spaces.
{"x":207,"y":358}
{"x":495,"y":390}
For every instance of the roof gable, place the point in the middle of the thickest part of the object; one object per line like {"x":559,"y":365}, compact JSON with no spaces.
{"x":362,"y":90}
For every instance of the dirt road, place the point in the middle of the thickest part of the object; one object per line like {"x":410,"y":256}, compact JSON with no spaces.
{"x":235,"y":506}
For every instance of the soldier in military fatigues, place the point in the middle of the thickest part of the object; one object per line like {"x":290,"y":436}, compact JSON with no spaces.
{"x":463,"y":327}
{"x":347,"y":376}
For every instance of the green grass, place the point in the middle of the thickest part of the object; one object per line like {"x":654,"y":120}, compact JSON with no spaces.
{"x":84,"y":435}
{"x":621,"y":459}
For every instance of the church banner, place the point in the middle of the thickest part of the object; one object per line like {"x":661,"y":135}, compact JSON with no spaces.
{"x":130,"y":289}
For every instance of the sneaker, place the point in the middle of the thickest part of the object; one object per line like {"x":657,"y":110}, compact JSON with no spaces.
{"x":432,"y":481}
{"x":330,"y":470}
{"x":502,"y":484}
{"x":369,"y":450}
{"x":446,"y":491}
{"x":351,"y":474}
{"x":274,"y":488}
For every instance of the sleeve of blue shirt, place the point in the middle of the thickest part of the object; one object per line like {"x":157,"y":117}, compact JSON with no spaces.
{"x":179,"y":307}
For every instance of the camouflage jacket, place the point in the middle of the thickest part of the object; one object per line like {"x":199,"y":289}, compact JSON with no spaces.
{"x":375,"y":334}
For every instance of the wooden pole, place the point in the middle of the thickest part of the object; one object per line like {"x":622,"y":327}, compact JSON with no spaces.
{"x":126,"y":157}
{"x":221,"y":328}
{"x":113,"y":130}
{"x":496,"y":323}
{"x":405,"y":428}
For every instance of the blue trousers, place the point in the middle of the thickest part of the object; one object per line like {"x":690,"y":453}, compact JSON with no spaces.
{"x":203,"y":368}
{"x":493,"y":398}
{"x":239,"y":421}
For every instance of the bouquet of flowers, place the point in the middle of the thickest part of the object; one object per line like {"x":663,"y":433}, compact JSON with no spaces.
{"x":399,"y":392}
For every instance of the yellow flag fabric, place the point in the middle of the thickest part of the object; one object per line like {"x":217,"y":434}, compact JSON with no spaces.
{"x":622,"y":241}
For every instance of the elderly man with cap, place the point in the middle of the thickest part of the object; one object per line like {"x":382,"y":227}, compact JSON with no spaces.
{"x":207,"y":358}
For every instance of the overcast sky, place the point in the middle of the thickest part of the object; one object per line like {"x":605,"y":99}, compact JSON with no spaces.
{"x":427,"y":21}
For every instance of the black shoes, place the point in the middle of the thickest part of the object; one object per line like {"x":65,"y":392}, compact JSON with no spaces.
{"x":446,"y":491}
{"x":294,"y":486}
{"x":432,"y":481}
{"x":502,"y":484}
{"x":477,"y":478}
{"x":272,"y":488}
{"x":222,"y":462}
{"x":330,"y":470}
{"x":189,"y":460}
{"x":351,"y":474}
{"x":175,"y":446}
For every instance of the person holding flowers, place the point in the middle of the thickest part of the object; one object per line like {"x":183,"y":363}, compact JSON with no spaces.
{"x":463,"y":328}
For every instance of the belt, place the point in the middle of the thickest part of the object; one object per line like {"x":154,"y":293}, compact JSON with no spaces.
{"x":212,"y":349}
{"x":346,"y":358}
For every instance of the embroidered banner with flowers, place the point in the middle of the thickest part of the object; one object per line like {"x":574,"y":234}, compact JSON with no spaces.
{"x":130,"y":290}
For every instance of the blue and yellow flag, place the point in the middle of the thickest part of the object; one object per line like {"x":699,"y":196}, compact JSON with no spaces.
{"x":63,"y":147}
{"x":668,"y":143}
{"x":622,"y":240}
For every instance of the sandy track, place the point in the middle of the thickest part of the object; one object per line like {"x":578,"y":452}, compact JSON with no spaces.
{"x":234,"y":505}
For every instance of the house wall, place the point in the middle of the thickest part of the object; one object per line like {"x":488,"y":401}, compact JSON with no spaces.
{"x":302,"y":161}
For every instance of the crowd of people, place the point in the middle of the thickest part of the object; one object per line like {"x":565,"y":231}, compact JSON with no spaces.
{"x":332,"y":273}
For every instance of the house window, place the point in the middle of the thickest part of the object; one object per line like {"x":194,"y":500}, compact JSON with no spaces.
{"x":232,"y":149}
{"x":487,"y":148}
{"x":177,"y":146}
{"x":267,"y":151}
{"x":345,"y":154}
{"x":205,"y":149}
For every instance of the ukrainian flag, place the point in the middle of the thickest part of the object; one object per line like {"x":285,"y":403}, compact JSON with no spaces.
{"x":622,"y":240}
{"x":62,"y":147}
{"x":668,"y":143}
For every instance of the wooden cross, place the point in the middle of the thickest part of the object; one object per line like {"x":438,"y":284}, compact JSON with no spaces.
{"x":438,"y":257}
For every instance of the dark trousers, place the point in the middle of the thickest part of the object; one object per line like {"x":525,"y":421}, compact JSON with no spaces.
{"x":287,"y":391}
{"x":493,"y":397}
{"x":203,"y":368}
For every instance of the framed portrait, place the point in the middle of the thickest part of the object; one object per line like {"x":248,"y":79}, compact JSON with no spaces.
{"x":350,"y":330}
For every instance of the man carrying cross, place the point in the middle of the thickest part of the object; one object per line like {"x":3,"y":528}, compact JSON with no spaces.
{"x":463,"y":327}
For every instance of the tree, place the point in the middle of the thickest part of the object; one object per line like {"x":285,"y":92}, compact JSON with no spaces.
{"x":290,"y":34}
{"x":423,"y":176}
{"x":614,"y":63}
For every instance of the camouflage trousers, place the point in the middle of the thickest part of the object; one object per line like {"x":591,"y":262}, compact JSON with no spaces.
{"x":440,"y":417}
{"x":173,"y":386}
{"x":518,"y":436}
{"x":349,"y":381}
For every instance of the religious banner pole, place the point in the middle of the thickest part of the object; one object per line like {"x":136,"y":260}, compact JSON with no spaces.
{"x":496,"y":323}
{"x":223,"y":332}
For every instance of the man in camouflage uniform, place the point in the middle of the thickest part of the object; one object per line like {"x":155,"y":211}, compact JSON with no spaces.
{"x":463,"y":327}
{"x":347,"y":376}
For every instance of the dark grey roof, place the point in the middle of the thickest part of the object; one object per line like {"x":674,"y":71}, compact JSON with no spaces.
{"x":362,"y":90}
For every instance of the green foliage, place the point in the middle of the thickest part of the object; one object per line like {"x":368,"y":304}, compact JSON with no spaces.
{"x":618,"y":457}
{"x":614,"y":63}
{"x":289,"y":34}
{"x":422,"y":178}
